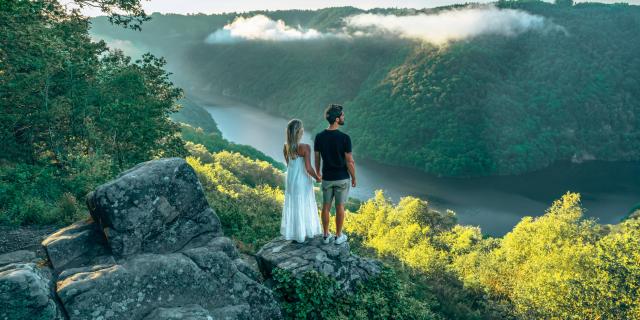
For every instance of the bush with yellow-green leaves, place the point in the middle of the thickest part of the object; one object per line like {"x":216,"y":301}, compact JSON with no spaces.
{"x":245,"y":193}
{"x":556,"y":266}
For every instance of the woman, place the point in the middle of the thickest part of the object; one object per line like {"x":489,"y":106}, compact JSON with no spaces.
{"x":300,"y":211}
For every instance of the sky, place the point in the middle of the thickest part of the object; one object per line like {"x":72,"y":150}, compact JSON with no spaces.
{"x":220,"y":6}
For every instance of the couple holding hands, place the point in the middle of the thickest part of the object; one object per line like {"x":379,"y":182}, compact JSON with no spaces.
{"x":334,"y":167}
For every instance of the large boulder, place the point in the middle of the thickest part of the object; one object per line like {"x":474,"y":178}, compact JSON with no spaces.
{"x":335,"y":261}
{"x":157,"y":206}
{"x":154,"y":249}
{"x":204,"y":276}
{"x":26,"y":293}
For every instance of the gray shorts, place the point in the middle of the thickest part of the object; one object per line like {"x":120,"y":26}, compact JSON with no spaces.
{"x":338,"y":189}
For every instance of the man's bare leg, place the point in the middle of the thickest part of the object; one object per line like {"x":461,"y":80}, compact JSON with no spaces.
{"x":339,"y":219}
{"x":326,"y":217}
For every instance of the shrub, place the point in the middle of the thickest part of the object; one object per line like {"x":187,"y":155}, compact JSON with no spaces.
{"x":43,"y":194}
{"x":250,"y":215}
{"x":316,"y":296}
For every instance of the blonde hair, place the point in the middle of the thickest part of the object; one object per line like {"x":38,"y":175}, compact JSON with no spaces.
{"x":293,"y":135}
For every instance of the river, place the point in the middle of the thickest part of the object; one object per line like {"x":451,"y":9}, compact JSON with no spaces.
{"x":496,"y":204}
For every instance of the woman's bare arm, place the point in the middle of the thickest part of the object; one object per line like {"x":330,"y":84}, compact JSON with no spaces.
{"x":307,"y":163}
{"x":286,"y":158}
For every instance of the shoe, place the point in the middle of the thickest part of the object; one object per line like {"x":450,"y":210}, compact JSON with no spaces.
{"x":328,"y":238}
{"x":341,"y":239}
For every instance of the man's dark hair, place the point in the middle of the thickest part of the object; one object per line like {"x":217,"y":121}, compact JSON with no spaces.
{"x":333,"y":112}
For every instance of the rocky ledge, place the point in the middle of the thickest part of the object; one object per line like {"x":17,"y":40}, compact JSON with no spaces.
{"x":154,"y":249}
{"x":332,"y":260}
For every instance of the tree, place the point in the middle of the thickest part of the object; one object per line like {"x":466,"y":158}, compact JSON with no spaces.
{"x":133,"y":104}
{"x":73,"y":112}
{"x":127,"y":13}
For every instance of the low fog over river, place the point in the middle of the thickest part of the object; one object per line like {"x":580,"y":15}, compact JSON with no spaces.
{"x":496,"y":204}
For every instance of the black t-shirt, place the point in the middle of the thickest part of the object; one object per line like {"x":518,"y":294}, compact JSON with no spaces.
{"x":332,"y":145}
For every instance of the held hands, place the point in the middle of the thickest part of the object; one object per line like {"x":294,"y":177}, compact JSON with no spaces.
{"x":318,"y":178}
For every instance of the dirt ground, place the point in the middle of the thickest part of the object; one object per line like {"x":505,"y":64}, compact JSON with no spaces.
{"x":24,"y":238}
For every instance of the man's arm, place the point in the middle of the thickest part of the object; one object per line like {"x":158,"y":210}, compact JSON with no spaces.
{"x":318,"y":161}
{"x":316,"y":156}
{"x":351,"y":166}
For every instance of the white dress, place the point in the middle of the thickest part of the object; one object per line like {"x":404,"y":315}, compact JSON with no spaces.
{"x":300,"y":212}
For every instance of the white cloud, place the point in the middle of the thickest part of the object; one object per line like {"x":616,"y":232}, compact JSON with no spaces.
{"x":260,"y":27}
{"x":451,"y":25}
{"x":437,"y":28}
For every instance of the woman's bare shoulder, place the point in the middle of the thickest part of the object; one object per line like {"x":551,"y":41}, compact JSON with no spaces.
{"x":303,"y":148}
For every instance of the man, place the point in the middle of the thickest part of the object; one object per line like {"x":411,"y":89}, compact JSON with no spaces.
{"x":333,"y":154}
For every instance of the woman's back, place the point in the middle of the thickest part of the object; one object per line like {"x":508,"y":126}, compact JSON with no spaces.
{"x":300,"y":212}
{"x":298,"y":180}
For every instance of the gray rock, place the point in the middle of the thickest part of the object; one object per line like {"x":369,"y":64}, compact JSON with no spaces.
{"x":157,"y":207}
{"x":17,"y":256}
{"x":196,"y":312}
{"x":80,"y":244}
{"x":145,"y":283}
{"x":335,"y":261}
{"x":191,"y":312}
{"x":249,"y":266}
{"x":26,"y":293}
{"x":234,"y":312}
{"x":71,"y":271}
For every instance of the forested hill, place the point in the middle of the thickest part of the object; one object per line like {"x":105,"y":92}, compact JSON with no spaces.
{"x":485,"y":105}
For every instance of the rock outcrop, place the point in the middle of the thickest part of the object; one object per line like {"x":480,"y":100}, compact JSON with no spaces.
{"x":26,"y":292}
{"x":152,"y":249}
{"x":138,"y":286}
{"x":332,"y":260}
{"x":155,"y":207}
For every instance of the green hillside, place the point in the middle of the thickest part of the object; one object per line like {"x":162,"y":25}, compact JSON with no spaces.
{"x":489,"y":105}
